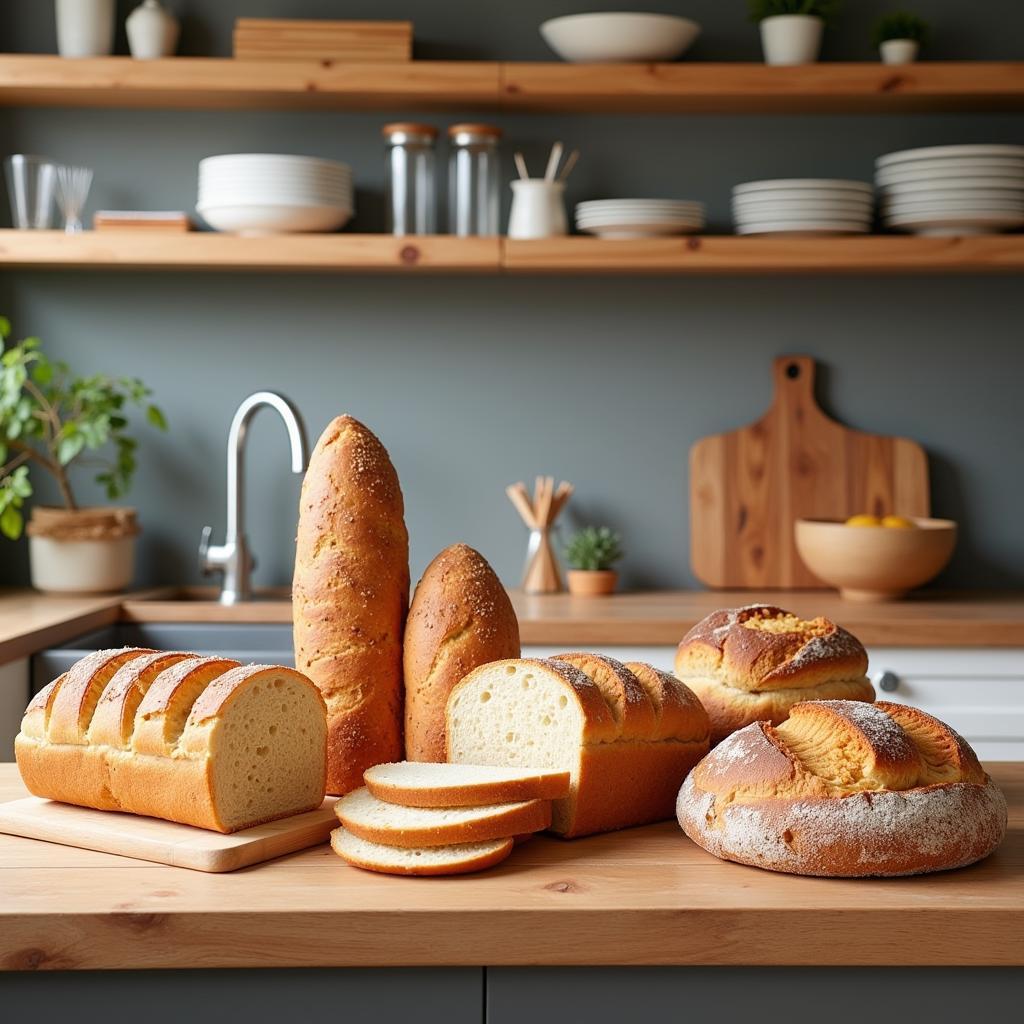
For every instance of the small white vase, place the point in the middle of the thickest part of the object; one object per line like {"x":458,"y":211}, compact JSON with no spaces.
{"x":899,"y":51}
{"x":152,"y":31}
{"x":791,"y":38}
{"x":85,"y":28}
{"x":538,"y":209}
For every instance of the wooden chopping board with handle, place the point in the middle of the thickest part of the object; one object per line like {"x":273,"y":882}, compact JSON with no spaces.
{"x":749,"y":486}
{"x":166,"y":842}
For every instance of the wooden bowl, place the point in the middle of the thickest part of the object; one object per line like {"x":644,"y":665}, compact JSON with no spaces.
{"x":875,"y":563}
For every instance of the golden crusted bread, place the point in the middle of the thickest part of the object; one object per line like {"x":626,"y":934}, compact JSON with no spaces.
{"x":426,"y":784}
{"x":349,"y":596}
{"x":626,"y":743}
{"x":844,"y":789}
{"x":201,"y":741}
{"x":460,"y":859}
{"x":753,"y":664}
{"x":460,"y":617}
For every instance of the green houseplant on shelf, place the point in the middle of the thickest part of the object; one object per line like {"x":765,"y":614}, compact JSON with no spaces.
{"x":900,"y":36}
{"x":791,"y":30}
{"x":591,"y":553}
{"x":52,"y":421}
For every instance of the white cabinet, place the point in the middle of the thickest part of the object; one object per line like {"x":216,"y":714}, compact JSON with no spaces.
{"x":977,"y":690}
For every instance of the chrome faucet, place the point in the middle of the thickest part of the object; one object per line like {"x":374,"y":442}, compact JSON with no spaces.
{"x":233,"y":558}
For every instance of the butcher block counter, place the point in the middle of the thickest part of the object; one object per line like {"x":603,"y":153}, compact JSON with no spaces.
{"x":641,"y":896}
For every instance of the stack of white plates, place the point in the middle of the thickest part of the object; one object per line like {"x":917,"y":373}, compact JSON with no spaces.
{"x":803,"y":206}
{"x":639,"y":218}
{"x":265,"y":193}
{"x":952,"y":190}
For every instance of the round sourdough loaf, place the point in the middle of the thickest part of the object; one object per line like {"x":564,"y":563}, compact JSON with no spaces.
{"x":753,"y":664}
{"x":844,"y":789}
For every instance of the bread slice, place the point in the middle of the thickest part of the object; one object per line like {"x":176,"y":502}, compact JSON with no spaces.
{"x":380,"y":822}
{"x":429,"y":860}
{"x":415,"y":784}
{"x":626,"y":750}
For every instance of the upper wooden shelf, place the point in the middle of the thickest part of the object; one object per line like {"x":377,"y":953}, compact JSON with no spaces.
{"x":212,"y":83}
{"x":350,"y":253}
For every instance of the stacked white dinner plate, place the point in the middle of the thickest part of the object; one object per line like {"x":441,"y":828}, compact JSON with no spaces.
{"x":803,"y":206}
{"x":268,"y":193}
{"x":952,"y":190}
{"x":639,"y":218}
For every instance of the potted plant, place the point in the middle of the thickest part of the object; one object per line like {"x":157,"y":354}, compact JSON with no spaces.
{"x":592,"y":552}
{"x":899,"y":37}
{"x":791,"y":30}
{"x":49,"y":420}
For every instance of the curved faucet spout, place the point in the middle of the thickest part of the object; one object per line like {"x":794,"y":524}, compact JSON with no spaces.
{"x":233,"y":557}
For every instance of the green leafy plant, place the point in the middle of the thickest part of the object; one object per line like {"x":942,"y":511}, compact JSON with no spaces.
{"x":824,"y":9}
{"x":901,"y":25}
{"x":50,"y":418}
{"x":594,"y":548}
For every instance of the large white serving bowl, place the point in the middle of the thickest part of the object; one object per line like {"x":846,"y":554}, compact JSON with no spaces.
{"x":619,"y":37}
{"x":274,"y":219}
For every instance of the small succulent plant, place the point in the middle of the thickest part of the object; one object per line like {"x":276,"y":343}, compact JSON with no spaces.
{"x":824,"y":9}
{"x":594,"y":548}
{"x":901,"y":25}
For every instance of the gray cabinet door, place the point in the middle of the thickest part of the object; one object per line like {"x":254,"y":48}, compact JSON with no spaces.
{"x":384,"y":995}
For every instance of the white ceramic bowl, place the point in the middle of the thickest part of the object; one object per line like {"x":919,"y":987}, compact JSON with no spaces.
{"x":619,"y":37}
{"x":274,"y":219}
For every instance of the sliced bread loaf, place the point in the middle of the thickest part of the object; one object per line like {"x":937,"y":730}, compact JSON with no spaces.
{"x":416,"y":784}
{"x":627,"y":742}
{"x":380,"y":822}
{"x":429,"y":860}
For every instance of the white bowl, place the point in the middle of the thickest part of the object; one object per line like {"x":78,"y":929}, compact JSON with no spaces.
{"x":619,"y":37}
{"x":274,"y":219}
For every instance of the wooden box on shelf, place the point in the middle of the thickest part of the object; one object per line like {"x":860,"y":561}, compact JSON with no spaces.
{"x":290,"y":39}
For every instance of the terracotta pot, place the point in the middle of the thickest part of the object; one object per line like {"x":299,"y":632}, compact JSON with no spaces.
{"x":86,"y":551}
{"x":592,"y":582}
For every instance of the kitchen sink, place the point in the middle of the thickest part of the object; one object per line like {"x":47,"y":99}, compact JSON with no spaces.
{"x":256,"y":643}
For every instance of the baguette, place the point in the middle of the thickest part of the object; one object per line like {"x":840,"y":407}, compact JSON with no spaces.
{"x":460,"y":618}
{"x":627,"y":753}
{"x":844,"y":789}
{"x":350,"y":595}
{"x":201,"y":741}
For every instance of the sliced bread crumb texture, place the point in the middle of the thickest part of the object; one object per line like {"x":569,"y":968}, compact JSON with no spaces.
{"x":459,"y":859}
{"x":415,"y":784}
{"x":380,"y":822}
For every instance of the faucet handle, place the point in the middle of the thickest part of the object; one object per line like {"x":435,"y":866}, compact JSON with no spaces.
{"x":205,"y":567}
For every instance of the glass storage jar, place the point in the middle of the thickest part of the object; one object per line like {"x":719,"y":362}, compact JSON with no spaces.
{"x":411,"y":188}
{"x":473,"y":173}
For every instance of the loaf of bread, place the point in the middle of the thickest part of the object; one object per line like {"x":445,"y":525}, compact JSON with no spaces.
{"x":201,"y":741}
{"x":349,"y":598}
{"x":460,"y":618}
{"x":845,"y":789}
{"x":627,"y":734}
{"x":753,"y":664}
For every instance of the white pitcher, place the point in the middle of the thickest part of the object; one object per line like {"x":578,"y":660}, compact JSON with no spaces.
{"x":538,"y":209}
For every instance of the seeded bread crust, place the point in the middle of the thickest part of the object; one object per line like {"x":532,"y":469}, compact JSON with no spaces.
{"x":461,"y":617}
{"x":350,"y":595}
{"x":844,"y":789}
{"x":753,"y":664}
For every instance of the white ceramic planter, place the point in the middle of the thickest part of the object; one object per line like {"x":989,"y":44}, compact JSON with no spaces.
{"x":538,"y":209}
{"x":152,"y":31}
{"x":899,"y":51}
{"x":791,"y":38}
{"x":85,"y":28}
{"x":81,"y":566}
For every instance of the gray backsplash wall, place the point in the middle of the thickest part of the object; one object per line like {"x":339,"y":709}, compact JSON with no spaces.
{"x":475,"y":382}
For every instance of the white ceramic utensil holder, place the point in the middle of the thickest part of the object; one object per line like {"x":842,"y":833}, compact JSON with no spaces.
{"x":81,"y":566}
{"x":538,"y":209}
{"x":791,"y":39}
{"x":85,"y":28}
{"x":899,"y":51}
{"x":152,"y":31}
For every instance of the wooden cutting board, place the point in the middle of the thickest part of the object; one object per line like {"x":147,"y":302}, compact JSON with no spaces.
{"x":165,"y":842}
{"x":749,"y":486}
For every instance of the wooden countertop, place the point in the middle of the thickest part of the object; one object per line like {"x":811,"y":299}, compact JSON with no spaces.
{"x":642,"y":896}
{"x":30,"y":621}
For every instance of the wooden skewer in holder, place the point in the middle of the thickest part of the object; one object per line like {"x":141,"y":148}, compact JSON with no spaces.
{"x":541,"y":575}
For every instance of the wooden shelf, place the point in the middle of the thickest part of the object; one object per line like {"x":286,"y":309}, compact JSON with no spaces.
{"x":342,"y":253}
{"x":218,"y":83}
